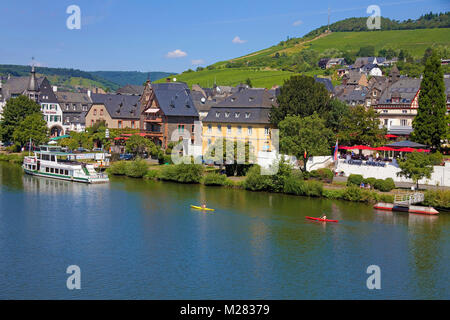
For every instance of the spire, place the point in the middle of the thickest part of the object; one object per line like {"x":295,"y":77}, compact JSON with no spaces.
{"x":32,"y":85}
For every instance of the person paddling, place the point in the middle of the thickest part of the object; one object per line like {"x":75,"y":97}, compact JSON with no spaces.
{"x":204,"y":205}
{"x":324,"y":217}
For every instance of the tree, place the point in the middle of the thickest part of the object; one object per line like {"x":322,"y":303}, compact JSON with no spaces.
{"x":15,"y":111}
{"x":138,"y":145}
{"x":33,"y":127}
{"x":300,"y":96}
{"x":367,"y":51}
{"x":249,"y":83}
{"x":430,"y":124}
{"x":362,"y":127}
{"x":338,"y":112}
{"x":416,"y":166}
{"x":305,"y":135}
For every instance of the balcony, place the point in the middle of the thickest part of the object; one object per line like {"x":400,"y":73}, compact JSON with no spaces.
{"x":153,"y":119}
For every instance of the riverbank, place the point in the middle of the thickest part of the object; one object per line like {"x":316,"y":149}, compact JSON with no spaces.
{"x":12,"y":157}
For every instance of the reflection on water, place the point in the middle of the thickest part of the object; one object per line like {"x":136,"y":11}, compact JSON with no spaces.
{"x":140,"y":239}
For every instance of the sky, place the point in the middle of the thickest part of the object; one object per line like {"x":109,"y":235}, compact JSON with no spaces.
{"x":172,"y":36}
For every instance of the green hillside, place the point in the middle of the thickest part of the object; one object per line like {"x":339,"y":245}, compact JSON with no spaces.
{"x":123,"y":78}
{"x":271,"y":66}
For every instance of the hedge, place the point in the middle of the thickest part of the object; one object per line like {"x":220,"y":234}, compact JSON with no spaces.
{"x":354,"y":180}
{"x":214,"y":179}
{"x":438,"y":198}
{"x":136,"y":169}
{"x":184,"y":173}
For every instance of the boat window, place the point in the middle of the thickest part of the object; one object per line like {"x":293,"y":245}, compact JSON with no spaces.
{"x":47,"y":170}
{"x":53,"y":158}
{"x":52,"y":170}
{"x":66,"y":172}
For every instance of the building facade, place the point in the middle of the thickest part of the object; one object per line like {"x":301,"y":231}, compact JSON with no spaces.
{"x":74,"y":106}
{"x":116,"y":111}
{"x":167,"y":111}
{"x":244,"y":116}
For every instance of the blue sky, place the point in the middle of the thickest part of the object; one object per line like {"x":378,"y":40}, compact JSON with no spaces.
{"x":149,"y":35}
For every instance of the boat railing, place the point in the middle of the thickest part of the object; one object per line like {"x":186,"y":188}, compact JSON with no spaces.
{"x":409,"y":199}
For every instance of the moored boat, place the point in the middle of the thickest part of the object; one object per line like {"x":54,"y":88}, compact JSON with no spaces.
{"x":52,"y":162}
{"x":409,"y":209}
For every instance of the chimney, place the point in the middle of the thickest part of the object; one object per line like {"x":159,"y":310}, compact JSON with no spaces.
{"x":167,"y":80}
{"x":89,"y":93}
{"x":55,"y":89}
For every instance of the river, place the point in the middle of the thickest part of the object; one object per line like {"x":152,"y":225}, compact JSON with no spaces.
{"x":136,"y":239}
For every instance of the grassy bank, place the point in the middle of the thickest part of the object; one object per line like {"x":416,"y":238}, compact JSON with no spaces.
{"x":286,"y":181}
{"x":12,"y":157}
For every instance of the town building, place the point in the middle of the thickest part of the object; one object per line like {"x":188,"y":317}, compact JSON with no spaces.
{"x":167,"y":110}
{"x":51,"y":109}
{"x":244,"y":116}
{"x":116,"y":111}
{"x":74,"y":106}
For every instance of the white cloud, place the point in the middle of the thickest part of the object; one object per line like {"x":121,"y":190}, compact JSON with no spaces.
{"x":238,"y":40}
{"x":198,"y":62}
{"x":176,"y":54}
{"x":297,"y":23}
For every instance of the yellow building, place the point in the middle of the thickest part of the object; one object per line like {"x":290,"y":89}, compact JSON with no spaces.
{"x":243,"y":116}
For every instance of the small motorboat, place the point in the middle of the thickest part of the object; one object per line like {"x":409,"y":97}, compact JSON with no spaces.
{"x":320,"y":219}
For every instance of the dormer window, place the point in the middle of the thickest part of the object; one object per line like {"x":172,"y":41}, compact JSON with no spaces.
{"x":233,"y":99}
{"x":227,"y":114}
{"x":217,"y":114}
{"x":247,"y":115}
{"x":237,"y":114}
{"x":251,"y":99}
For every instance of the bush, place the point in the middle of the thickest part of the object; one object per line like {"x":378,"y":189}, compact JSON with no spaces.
{"x":118,"y":168}
{"x":387,"y":198}
{"x":184,"y":173}
{"x":214,"y":179}
{"x":354,"y":193}
{"x":333,"y":194}
{"x":12,"y":149}
{"x":151,"y":174}
{"x":384,"y":185}
{"x":437,"y":198}
{"x":326,"y":175}
{"x":354,"y":180}
{"x":303,"y":188}
{"x":370,"y":181}
{"x":136,"y":169}
{"x":255,"y":181}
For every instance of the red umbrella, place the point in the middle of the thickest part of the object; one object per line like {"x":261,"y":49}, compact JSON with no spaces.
{"x":423,"y":150}
{"x":406,"y":150}
{"x":362,"y":148}
{"x":385,"y":149}
{"x":390,"y":136}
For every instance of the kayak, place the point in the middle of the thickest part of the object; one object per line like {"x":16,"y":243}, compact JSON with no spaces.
{"x":323,"y":220}
{"x":200,"y":208}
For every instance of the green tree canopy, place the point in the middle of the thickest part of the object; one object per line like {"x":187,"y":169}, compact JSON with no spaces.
{"x":137,"y":145}
{"x":338,"y":112}
{"x":416,"y":166}
{"x":362,"y":127}
{"x":299,"y":135}
{"x":430,"y":124}
{"x":14,"y":112}
{"x":33,"y":127}
{"x":300,"y":96}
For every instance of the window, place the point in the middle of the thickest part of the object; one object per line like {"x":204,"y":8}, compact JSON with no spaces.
{"x":404,"y":122}
{"x":119,"y":124}
{"x":385,"y":111}
{"x":209,"y":128}
{"x":229,"y":129}
{"x":247,"y":115}
{"x":404,"y":111}
{"x":193,"y":128}
{"x":237,"y":114}
{"x":180,"y":128}
{"x":95,"y":112}
{"x":92,"y":122}
{"x":219,"y":128}
{"x":132,"y":124}
{"x":209,"y":142}
{"x":217,"y":114}
{"x":101,"y":112}
{"x":239,"y":129}
{"x":66,"y":172}
{"x":227,"y":114}
{"x":52,"y":170}
{"x":47,"y":170}
{"x":249,"y":131}
{"x":266,"y":131}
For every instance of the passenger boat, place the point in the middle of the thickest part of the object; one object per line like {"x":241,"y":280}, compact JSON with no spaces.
{"x":52,"y":162}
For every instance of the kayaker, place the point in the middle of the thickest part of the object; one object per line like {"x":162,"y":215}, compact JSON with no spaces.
{"x":324,"y":218}
{"x":204,"y":205}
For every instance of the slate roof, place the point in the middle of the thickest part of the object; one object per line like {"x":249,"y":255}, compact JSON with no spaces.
{"x":174,"y":99}
{"x":245,"y":106}
{"x":354,"y":96}
{"x":17,"y":86}
{"x":119,"y":106}
{"x":326,"y":82}
{"x":131,"y":89}
{"x":406,"y":88}
{"x":73,"y":97}
{"x":46,"y":93}
{"x":406,"y":144}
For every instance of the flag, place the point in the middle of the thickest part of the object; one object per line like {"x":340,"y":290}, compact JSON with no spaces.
{"x":305,"y":155}
{"x":336,"y":148}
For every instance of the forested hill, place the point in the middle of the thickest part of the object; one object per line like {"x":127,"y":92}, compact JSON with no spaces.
{"x":426,"y":21}
{"x":131,"y":77}
{"x":70,"y":79}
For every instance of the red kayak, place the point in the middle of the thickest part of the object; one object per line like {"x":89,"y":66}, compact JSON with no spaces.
{"x":323,"y":220}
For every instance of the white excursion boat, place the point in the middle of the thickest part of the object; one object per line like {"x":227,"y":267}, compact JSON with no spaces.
{"x":51,"y":162}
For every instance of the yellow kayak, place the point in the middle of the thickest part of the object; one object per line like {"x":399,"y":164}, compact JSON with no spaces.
{"x":200,"y":208}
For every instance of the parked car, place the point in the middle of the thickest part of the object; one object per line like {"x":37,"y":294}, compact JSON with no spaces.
{"x":81,"y":150}
{"x":97,"y":149}
{"x":126,"y":156}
